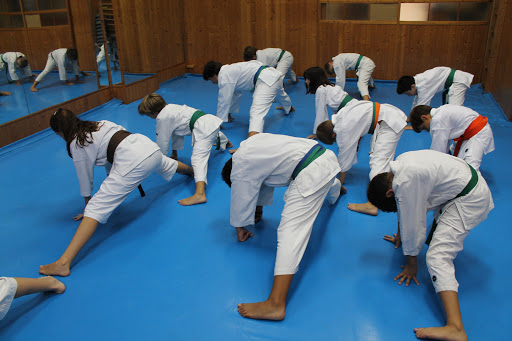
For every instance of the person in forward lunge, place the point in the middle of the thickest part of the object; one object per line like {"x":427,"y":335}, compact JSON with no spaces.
{"x":471,"y":132}
{"x":427,"y":180}
{"x":128,"y":158}
{"x":384,"y":121}
{"x":173,"y":122}
{"x":263,"y":162}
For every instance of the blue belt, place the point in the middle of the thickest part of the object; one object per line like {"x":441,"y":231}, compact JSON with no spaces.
{"x":310,"y":156}
{"x":255,"y":79}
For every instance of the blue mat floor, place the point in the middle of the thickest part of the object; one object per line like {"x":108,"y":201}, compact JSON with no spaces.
{"x":159,"y":271}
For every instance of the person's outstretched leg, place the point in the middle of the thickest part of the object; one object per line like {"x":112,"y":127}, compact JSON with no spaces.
{"x":83,"y":234}
{"x":274,"y":307}
{"x":27,"y":286}
{"x":454,"y":330}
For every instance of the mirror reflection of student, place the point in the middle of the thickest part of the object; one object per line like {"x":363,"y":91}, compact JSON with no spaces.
{"x":61,"y":58}
{"x":10,"y":62}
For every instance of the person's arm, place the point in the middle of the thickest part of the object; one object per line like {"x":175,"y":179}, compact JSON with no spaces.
{"x":226,"y":93}
{"x":163,"y":136}
{"x":409,"y":271}
{"x":63,"y":75}
{"x":11,"y":66}
{"x":244,"y":199}
{"x":85,"y":174}
{"x":340,"y":72}
{"x":440,"y":140}
{"x":184,"y":169}
{"x":235,"y":102}
{"x":321,"y":111}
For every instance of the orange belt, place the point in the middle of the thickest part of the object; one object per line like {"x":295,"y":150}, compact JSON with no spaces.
{"x":375,"y":118}
{"x":473,"y":129}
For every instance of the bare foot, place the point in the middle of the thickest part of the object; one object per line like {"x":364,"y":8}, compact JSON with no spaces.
{"x":57,"y":269}
{"x":258,"y":214}
{"x":193,"y":200}
{"x":33,"y":89}
{"x":55,"y":285}
{"x":229,"y":144}
{"x":230,"y":118}
{"x":450,"y":333}
{"x":292,"y":109}
{"x":262,"y":311}
{"x":232,"y":151}
{"x":366,"y":208}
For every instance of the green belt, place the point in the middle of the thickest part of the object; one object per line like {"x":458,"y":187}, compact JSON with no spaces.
{"x":469,"y":187}
{"x":256,"y":75}
{"x":447,"y":84}
{"x":193,"y":120}
{"x":310,"y":156}
{"x":359,"y":61}
{"x":372,"y":125}
{"x":281,"y":55}
{"x":2,"y":58}
{"x":344,"y":102}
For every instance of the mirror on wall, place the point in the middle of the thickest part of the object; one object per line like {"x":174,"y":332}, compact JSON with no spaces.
{"x":41,"y":30}
{"x":107,"y":56}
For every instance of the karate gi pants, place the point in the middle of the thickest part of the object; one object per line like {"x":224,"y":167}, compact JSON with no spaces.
{"x":450,"y":233}
{"x":297,"y":219}
{"x":457,"y":93}
{"x":262,"y":101}
{"x":8,"y":287}
{"x":364,"y":79}
{"x":201,"y":153}
{"x":382,"y":150}
{"x":50,"y":65}
{"x":116,"y":187}
{"x":285,"y":66}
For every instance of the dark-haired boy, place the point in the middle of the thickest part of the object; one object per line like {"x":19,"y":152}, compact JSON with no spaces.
{"x":385,"y":121}
{"x":263,"y":162}
{"x":471,"y":132}
{"x":363,"y":65}
{"x":428,"y":180}
{"x":233,"y":79}
{"x":61,"y":58}
{"x":10,"y":62}
{"x":425,"y":85}
{"x":279,"y":59}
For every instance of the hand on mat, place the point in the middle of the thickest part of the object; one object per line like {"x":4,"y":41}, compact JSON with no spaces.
{"x":243,"y":234}
{"x":394,"y":240}
{"x":70,"y":83}
{"x":409,"y":272}
{"x":312,"y":137}
{"x":343,"y":190}
{"x":78,"y":217}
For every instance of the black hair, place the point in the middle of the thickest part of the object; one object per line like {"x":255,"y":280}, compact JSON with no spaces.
{"x":226,"y":172}
{"x":211,"y":69}
{"x":415,"y":116}
{"x":404,"y":84}
{"x":65,"y":122}
{"x":249,"y":53}
{"x":376,"y":193}
{"x":317,"y":77}
{"x":328,"y":68}
{"x":22,"y":62}
{"x":324,"y":132}
{"x":72,"y":54}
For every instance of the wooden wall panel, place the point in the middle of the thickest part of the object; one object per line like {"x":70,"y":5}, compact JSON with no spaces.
{"x":459,"y":46}
{"x":499,"y":80}
{"x":136,"y":90}
{"x":83,"y":34}
{"x":134,"y":35}
{"x":167,"y":23}
{"x":44,"y":40}
{"x":15,"y":130}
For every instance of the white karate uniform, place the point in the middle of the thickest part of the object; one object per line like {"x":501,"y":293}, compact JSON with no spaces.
{"x":135,"y":158}
{"x":432,"y":81}
{"x":172,"y":124}
{"x":449,"y":122}
{"x":235,"y":78}
{"x":101,"y":55}
{"x":265,"y":161}
{"x":347,"y":61}
{"x":58,"y":58}
{"x":428,"y":180}
{"x":8,"y":287}
{"x":8,"y":62}
{"x":353,"y":122}
{"x":270,"y":57}
{"x":328,"y":97}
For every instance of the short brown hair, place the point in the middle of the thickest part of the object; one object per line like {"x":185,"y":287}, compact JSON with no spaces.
{"x":324,"y":132}
{"x":151,"y":104}
{"x":415,"y":116}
